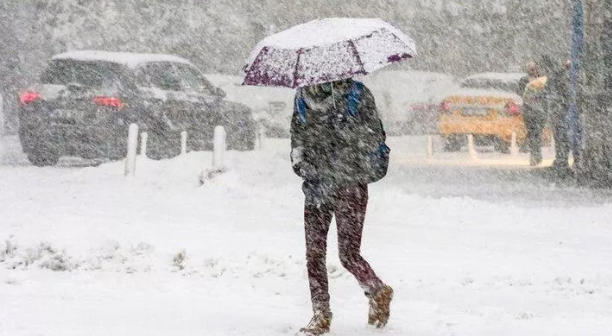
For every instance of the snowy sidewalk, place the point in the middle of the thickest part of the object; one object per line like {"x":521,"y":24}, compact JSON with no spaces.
{"x":83,"y":251}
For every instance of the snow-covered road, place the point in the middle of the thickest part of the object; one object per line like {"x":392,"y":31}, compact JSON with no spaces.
{"x":469,"y":250}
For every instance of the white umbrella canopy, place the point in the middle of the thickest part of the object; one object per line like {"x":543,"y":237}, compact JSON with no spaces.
{"x":326,"y":50}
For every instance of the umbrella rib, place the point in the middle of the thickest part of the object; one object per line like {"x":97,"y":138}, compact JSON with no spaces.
{"x":295,"y":70}
{"x":356,"y":54}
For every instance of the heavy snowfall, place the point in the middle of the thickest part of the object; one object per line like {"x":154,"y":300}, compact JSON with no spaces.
{"x":470,"y":251}
{"x":208,"y":237}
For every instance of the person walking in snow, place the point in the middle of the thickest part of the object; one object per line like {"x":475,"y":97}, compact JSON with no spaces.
{"x":558,"y":102}
{"x":338,"y":147}
{"x":534,"y":112}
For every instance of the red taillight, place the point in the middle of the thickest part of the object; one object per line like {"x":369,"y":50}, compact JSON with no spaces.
{"x":109,"y":102}
{"x":30,"y":97}
{"x":513,"y":108}
{"x":445,"y":106}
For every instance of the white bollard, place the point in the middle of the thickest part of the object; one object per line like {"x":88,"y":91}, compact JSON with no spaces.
{"x":220,"y":147}
{"x":144,"y":140}
{"x":472,"y":147}
{"x":514,"y":148}
{"x":218,"y":164}
{"x":553,"y":149}
{"x":183,"y":142}
{"x":430,"y":147}
{"x":130,"y":160}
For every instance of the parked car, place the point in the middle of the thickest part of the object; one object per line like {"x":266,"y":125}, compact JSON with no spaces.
{"x":272,"y":106}
{"x":86,"y":100}
{"x":405,"y":99}
{"x":422,"y":117}
{"x":486,"y":105}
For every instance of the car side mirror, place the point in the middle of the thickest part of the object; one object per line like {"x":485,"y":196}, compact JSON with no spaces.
{"x":220,"y":93}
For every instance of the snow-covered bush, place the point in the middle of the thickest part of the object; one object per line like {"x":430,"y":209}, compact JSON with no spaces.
{"x":179,"y":260}
{"x":7,"y":250}
{"x":43,"y":256}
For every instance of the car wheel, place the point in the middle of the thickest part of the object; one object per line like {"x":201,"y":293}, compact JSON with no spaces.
{"x":43,"y":158}
{"x":502,"y":146}
{"x":452,"y":143}
{"x":246,"y":143}
{"x":163,"y":145}
{"x":241,"y":137}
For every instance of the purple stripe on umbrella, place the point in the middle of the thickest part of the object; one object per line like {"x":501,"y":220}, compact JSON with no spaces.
{"x":257,"y":61}
{"x":356,"y":54}
{"x":296,"y":70}
{"x":398,"y":58}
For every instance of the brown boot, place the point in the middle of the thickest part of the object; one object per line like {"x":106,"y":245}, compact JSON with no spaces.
{"x":380,"y":307}
{"x":319,"y":324}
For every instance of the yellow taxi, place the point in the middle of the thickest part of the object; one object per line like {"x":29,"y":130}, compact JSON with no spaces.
{"x":486,"y":105}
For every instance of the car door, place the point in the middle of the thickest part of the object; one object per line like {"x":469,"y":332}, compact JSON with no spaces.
{"x":206,"y":113}
{"x":168,"y":104}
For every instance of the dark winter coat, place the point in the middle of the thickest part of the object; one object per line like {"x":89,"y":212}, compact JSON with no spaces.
{"x":535,"y":106}
{"x":557,"y":93}
{"x":329,"y":145}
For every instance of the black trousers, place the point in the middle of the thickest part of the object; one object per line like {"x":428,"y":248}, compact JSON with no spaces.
{"x":349,"y":206}
{"x":560,"y":125}
{"x":534,"y":123}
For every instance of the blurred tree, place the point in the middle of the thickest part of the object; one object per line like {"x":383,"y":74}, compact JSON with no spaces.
{"x":10,"y":62}
{"x":454,"y":37}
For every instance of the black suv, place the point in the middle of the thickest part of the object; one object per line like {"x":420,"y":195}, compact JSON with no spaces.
{"x":87,"y":99}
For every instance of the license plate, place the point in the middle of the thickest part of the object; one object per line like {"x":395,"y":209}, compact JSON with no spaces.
{"x":68,"y":114}
{"x":476,"y":112}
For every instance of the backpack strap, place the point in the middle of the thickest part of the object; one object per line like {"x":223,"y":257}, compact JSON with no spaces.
{"x":301,"y":106}
{"x":354,"y":97}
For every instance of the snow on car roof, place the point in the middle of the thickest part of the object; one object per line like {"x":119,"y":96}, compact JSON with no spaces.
{"x":487,"y":93}
{"x":501,"y":76}
{"x":132,"y":60}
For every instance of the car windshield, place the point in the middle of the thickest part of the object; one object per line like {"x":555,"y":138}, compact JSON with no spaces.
{"x":491,"y":84}
{"x":92,"y":74}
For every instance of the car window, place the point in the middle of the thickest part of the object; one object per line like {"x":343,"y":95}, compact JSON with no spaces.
{"x":192,"y":80}
{"x":159,"y":75}
{"x":490,"y":84}
{"x":96,"y":74}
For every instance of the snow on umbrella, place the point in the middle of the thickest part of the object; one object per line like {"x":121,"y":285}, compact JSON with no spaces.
{"x":326,"y":50}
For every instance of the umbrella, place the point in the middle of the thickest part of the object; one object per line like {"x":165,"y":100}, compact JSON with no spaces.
{"x":326,"y":50}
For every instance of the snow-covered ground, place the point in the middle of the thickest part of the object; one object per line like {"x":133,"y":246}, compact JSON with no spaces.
{"x":470,"y":249}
